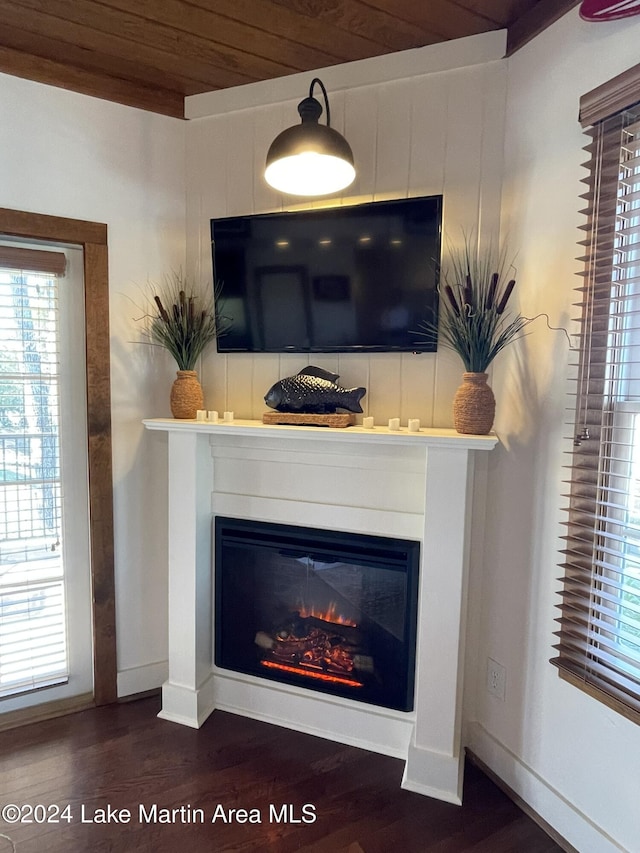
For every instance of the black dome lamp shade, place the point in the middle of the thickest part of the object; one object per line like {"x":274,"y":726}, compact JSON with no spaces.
{"x":310,"y":158}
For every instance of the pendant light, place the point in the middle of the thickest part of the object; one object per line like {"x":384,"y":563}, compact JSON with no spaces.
{"x":310,"y":158}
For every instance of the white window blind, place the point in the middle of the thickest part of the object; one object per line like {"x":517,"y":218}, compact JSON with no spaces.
{"x":33,"y":645}
{"x":599,"y":623}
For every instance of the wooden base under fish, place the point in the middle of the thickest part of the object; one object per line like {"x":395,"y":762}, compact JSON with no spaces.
{"x":300,"y":419}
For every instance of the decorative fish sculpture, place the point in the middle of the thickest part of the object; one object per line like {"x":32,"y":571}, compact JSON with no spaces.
{"x":313,"y":391}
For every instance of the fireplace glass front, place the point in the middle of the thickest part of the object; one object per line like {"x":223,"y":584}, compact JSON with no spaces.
{"x":330,"y":611}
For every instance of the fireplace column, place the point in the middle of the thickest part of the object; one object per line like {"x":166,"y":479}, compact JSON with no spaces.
{"x":187,"y":695}
{"x":434,"y":763}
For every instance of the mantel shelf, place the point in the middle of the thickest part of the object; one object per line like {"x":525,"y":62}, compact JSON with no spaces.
{"x":425,"y":437}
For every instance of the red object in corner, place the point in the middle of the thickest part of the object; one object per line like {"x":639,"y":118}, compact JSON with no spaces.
{"x":608,"y":10}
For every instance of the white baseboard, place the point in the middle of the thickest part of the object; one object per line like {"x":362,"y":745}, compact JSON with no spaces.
{"x":433,"y":774}
{"x":340,"y":720}
{"x":543,"y":800}
{"x":188,"y":706}
{"x":139,"y":679}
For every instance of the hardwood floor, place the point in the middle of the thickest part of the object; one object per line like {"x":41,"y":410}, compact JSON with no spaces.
{"x":330,"y":798}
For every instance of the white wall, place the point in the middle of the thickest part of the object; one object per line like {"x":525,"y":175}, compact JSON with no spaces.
{"x":68,"y":155}
{"x":572,"y":759}
{"x":65,"y":154}
{"x":444,"y":132}
{"x":439,"y":131}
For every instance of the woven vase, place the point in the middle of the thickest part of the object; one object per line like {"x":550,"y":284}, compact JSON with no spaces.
{"x":186,"y":395}
{"x":474,"y":405}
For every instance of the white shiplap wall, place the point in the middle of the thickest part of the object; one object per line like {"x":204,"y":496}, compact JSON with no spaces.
{"x":434,"y":133}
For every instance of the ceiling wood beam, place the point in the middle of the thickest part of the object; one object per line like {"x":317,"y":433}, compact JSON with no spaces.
{"x":533,"y":22}
{"x":499,"y":12}
{"x":372,"y":21}
{"x":437,"y":16}
{"x":252,"y":36}
{"x":211,"y":74}
{"x":152,"y":53}
{"x":217,"y":41}
{"x":274,"y":27}
{"x":41,"y":70}
{"x":95,"y":62}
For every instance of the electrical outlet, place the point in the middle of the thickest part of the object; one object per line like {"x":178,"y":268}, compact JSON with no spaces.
{"x":496,"y":679}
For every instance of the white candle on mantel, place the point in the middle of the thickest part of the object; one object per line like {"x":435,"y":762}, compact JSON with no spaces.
{"x":201,"y":415}
{"x":394,"y":423}
{"x":212,"y":417}
{"x":414,"y":425}
{"x":228,"y":417}
{"x":367,"y":423}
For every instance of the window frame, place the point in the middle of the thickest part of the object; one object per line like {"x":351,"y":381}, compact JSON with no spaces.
{"x":92,"y":238}
{"x":600,"y":454}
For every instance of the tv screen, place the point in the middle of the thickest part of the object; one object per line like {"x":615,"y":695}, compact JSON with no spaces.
{"x":356,"y":278}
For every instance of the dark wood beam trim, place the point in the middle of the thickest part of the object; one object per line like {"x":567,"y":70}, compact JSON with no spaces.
{"x":90,"y":83}
{"x":96,"y":295}
{"x":46,"y":711}
{"x":533,"y":22}
{"x":496,"y":12}
{"x":612,"y":97}
{"x":92,"y":236}
{"x":606,"y":698}
{"x":20,"y":223}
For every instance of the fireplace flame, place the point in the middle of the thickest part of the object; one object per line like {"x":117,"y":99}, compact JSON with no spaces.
{"x":321,"y":676}
{"x":329,"y":615}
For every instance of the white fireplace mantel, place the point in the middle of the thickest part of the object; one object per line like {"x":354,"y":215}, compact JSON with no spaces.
{"x":411,"y":485}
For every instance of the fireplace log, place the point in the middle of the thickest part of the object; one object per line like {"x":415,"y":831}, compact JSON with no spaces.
{"x":265,"y":641}
{"x":363,"y":663}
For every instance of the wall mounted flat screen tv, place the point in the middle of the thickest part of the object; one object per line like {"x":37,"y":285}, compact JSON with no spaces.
{"x":357,"y":278}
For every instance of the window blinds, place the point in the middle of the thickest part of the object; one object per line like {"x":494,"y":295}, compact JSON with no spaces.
{"x":34,"y":260}
{"x":33,"y":650}
{"x":599,"y":622}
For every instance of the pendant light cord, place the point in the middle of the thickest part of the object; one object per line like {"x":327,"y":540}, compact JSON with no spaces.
{"x":326,"y":98}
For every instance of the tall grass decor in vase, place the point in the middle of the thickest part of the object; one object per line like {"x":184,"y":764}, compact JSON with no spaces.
{"x":184,"y":319}
{"x":475,"y":323}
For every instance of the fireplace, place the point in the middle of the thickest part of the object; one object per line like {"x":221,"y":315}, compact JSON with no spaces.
{"x":326,"y":610}
{"x":378,"y":484}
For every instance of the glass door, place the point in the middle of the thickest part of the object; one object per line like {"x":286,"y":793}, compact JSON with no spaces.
{"x":45,"y":597}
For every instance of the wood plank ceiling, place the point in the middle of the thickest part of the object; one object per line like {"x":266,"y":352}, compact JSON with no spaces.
{"x":151,"y":53}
